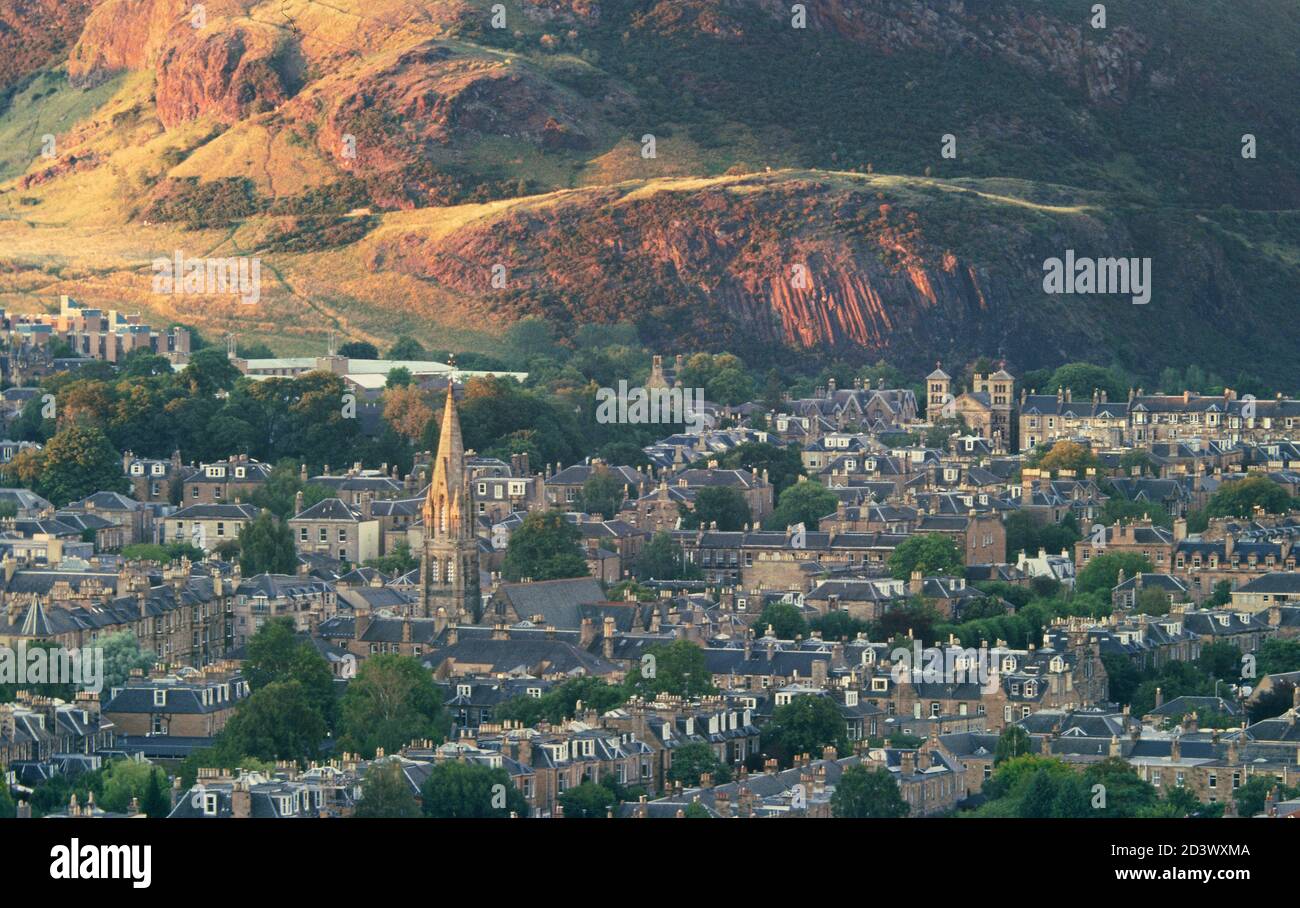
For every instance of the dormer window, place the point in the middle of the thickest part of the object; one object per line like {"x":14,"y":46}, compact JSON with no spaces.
{"x":160,"y":697}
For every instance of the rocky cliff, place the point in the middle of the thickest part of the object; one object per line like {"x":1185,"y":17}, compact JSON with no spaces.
{"x":34,"y":33}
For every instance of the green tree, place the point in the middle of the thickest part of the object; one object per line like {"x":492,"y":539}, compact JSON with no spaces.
{"x":930,"y":553}
{"x":1082,"y":379}
{"x":407,"y":348}
{"x":156,"y":803}
{"x":1273,"y":703}
{"x":390,"y":703}
{"x":783,"y":465}
{"x":1152,"y":601}
{"x":839,"y":625}
{"x":1126,"y":795}
{"x":1039,"y":796}
{"x":1278,"y":655}
{"x":717,"y":504}
{"x":125,"y":781}
{"x":1117,"y":509}
{"x":1221,"y":595}
{"x":806,"y":724}
{"x":804,"y":502}
{"x":277,"y":722}
{"x":7,"y":806}
{"x":210,"y":371}
{"x":561,"y":703}
{"x":1254,"y":792}
{"x":675,"y":668}
{"x":276,"y":655}
{"x":602,"y":494}
{"x":1028,"y":535}
{"x":1102,"y":571}
{"x":1122,"y":677}
{"x":266,"y":547}
{"x":546,"y":546}
{"x":457,"y":790}
{"x":359,"y":350}
{"x":690,"y":761}
{"x":587,"y":801}
{"x":386,"y":794}
{"x":1013,"y":742}
{"x":785,"y":620}
{"x":868,"y":794}
{"x":398,"y":561}
{"x":662,"y":559}
{"x":279,"y":493}
{"x":1240,"y":497}
{"x":76,"y":462}
{"x":122,"y":653}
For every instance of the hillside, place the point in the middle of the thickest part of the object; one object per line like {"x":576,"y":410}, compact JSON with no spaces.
{"x":261,"y":130}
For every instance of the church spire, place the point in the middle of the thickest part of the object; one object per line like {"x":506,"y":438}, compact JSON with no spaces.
{"x":449,"y":562}
{"x":444,"y":508}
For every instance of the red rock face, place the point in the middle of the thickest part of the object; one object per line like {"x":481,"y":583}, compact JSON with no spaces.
{"x":428,"y":97}
{"x":792,"y":265}
{"x":234,"y":73}
{"x":35,"y":32}
{"x":125,"y":34}
{"x":71,"y":164}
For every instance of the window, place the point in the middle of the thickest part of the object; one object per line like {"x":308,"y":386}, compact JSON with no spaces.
{"x":160,"y":697}
{"x":324,"y":534}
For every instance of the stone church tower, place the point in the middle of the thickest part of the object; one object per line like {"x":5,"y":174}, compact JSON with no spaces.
{"x":449,"y":560}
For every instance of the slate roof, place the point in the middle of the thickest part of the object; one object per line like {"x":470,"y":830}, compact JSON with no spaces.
{"x":522,"y":655}
{"x":330,"y":509}
{"x":557,"y":601}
